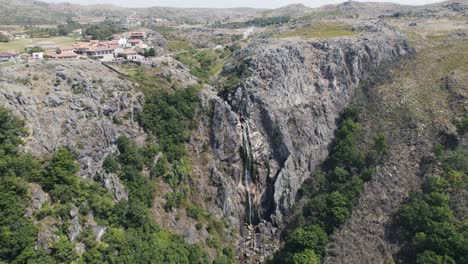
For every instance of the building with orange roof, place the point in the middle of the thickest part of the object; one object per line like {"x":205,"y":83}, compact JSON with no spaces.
{"x":61,"y":56}
{"x":137,"y":35}
{"x":82,"y":47}
{"x":11,"y":55}
{"x":67,"y":49}
{"x":129,"y":55}
{"x":134,"y":42}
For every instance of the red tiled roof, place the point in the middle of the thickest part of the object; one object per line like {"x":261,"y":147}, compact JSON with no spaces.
{"x":61,"y":55}
{"x":9,"y":53}
{"x":82,"y":45}
{"x":128,"y":52}
{"x":101,"y":48}
{"x":67,"y":48}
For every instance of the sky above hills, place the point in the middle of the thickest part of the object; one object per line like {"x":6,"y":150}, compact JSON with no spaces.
{"x":227,"y":3}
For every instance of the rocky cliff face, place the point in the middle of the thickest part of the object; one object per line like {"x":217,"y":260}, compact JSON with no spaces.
{"x":287,"y":109}
{"x":81,"y":105}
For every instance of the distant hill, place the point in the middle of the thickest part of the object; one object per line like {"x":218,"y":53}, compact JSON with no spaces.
{"x":31,"y":12}
{"x":361,"y":9}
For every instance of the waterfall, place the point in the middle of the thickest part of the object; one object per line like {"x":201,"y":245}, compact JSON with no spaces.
{"x":247,"y":168}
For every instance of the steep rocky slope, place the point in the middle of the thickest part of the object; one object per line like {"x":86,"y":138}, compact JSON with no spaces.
{"x":416,"y":109}
{"x":269,"y":132}
{"x":81,"y":105}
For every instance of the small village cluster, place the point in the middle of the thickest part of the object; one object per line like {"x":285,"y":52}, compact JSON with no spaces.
{"x":126,"y":47}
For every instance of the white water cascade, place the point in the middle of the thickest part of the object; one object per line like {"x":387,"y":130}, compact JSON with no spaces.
{"x":247,"y":168}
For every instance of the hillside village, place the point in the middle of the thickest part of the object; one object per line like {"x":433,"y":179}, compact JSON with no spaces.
{"x":130,"y":46}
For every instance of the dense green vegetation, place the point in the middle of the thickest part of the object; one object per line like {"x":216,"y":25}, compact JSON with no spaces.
{"x":149,"y":53}
{"x":232,"y":80}
{"x":332,"y":192}
{"x":103,"y":30}
{"x":433,"y":221}
{"x":462,"y":126}
{"x":132,"y":235}
{"x":68,"y":28}
{"x":257,"y":22}
{"x":60,"y":30}
{"x":204,"y":64}
{"x":35,"y":49}
{"x":4,"y":38}
{"x":169,"y":115}
{"x":16,"y":232}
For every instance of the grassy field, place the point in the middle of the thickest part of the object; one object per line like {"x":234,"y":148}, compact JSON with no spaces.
{"x":320,"y":30}
{"x":178,"y":45}
{"x":20,"y":44}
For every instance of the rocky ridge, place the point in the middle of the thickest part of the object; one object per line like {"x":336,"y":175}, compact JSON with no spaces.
{"x":289,"y":103}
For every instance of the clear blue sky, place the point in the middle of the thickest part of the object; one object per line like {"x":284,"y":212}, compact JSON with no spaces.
{"x":227,"y":3}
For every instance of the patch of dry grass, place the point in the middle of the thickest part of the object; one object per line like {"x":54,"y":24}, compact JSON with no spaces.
{"x":20,"y":44}
{"x":417,"y":92}
{"x":320,"y":30}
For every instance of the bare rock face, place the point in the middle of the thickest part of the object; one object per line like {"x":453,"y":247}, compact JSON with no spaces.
{"x":74,"y":229}
{"x":47,"y":235}
{"x":287,"y":110}
{"x":38,"y":198}
{"x":78,"y":104}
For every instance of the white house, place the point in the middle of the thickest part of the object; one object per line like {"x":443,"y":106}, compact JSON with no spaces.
{"x":122,"y":41}
{"x":38,"y":55}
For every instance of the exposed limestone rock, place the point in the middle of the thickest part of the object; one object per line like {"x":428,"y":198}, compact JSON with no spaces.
{"x":74,"y":230}
{"x":75,"y":104}
{"x":38,"y":198}
{"x":80,"y":248}
{"x":99,"y":232}
{"x":111,"y":182}
{"x":47,"y":234}
{"x":291,"y":101}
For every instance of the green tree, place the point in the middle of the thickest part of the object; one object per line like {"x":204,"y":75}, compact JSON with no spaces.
{"x":462,"y":126}
{"x":310,"y":237}
{"x":169,"y":116}
{"x":36,"y":49}
{"x":16,"y":232}
{"x":61,"y":170}
{"x":4,"y":38}
{"x":305,"y":257}
{"x":429,"y":257}
{"x":64,"y":250}
{"x":337,"y":208}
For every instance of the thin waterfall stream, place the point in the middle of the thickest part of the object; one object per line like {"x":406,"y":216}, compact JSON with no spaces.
{"x":247,"y":169}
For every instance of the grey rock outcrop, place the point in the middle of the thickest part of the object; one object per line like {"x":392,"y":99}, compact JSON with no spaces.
{"x":47,"y":234}
{"x":99,"y":232}
{"x":38,"y":198}
{"x":74,"y":229}
{"x":290,"y":102}
{"x":78,"y":104}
